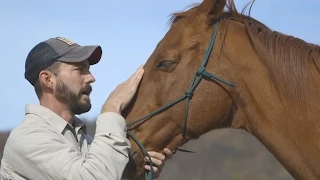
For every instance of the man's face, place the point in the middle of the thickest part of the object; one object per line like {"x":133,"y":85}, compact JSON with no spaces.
{"x":73,"y":86}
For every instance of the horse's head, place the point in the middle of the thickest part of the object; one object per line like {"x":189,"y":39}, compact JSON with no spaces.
{"x":183,"y":84}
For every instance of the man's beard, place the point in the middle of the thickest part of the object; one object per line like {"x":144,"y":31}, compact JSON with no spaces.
{"x":73,"y":100}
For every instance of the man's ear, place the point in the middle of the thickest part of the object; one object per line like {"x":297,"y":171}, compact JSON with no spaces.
{"x":47,"y":79}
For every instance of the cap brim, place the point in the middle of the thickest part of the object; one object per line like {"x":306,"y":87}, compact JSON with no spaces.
{"x":81,"y":53}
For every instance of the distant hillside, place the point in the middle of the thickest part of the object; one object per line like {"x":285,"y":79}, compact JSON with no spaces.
{"x":220,"y":155}
{"x":3,"y":138}
{"x":225,"y":155}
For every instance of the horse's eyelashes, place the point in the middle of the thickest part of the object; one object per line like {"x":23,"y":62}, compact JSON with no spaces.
{"x":167,"y":65}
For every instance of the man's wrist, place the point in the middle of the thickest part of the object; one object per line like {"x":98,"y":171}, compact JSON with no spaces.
{"x":109,"y":108}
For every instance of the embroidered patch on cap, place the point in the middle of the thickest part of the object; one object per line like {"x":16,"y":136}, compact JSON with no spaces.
{"x":68,"y":41}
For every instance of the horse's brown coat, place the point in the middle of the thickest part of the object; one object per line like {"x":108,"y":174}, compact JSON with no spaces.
{"x":276,"y":98}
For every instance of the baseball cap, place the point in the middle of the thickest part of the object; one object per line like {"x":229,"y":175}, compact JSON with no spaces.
{"x":61,"y":49}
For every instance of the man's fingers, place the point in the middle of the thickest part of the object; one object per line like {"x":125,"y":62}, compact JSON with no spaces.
{"x":168,"y":153}
{"x":157,"y":155}
{"x":136,"y":80}
{"x":124,"y":92}
{"x":148,"y":167}
{"x":156,"y":162}
{"x":136,"y":76}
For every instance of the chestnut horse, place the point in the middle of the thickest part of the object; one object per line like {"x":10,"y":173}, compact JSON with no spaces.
{"x":218,"y":68}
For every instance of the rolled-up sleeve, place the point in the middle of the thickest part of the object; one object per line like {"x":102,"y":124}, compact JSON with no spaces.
{"x":40,"y":153}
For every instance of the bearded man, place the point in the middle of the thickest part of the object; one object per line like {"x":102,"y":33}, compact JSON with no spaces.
{"x":51,"y":142}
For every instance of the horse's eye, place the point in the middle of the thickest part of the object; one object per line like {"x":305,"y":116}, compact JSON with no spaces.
{"x":167,"y":65}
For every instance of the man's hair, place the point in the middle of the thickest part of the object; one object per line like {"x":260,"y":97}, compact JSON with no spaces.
{"x":54,"y":69}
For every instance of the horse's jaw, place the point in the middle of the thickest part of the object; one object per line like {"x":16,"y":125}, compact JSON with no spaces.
{"x":134,"y":169}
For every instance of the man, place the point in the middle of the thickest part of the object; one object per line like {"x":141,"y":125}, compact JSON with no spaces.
{"x":51,"y":143}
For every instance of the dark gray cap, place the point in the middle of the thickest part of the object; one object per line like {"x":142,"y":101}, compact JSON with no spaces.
{"x":62,"y":49}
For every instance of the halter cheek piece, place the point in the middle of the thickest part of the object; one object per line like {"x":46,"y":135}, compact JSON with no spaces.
{"x":188,"y":95}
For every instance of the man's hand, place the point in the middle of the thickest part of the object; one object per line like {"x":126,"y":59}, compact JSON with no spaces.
{"x":158,"y":161}
{"x":123,"y":94}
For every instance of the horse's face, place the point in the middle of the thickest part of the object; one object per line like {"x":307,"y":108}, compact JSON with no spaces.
{"x":168,"y":76}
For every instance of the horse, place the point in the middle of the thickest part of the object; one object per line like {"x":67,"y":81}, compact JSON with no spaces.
{"x":220,"y":68}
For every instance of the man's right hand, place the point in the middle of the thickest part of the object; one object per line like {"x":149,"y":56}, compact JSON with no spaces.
{"x":119,"y":98}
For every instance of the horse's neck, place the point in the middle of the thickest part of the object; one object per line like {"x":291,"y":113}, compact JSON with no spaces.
{"x":292,"y":135}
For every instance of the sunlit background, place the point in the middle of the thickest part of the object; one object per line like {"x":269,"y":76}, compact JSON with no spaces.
{"x":128,"y":32}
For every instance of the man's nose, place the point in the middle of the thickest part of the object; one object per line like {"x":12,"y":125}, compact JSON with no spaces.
{"x":90,"y":79}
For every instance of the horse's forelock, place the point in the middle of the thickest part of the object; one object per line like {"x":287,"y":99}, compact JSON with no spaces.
{"x":194,"y":10}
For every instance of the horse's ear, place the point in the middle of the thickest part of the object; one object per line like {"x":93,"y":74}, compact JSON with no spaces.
{"x":212,"y":8}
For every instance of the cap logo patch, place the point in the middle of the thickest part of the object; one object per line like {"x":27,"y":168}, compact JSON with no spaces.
{"x":67,"y":41}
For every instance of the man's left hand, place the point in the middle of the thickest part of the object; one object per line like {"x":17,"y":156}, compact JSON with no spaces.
{"x":158,"y":161}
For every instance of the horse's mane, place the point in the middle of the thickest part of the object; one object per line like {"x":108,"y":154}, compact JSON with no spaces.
{"x":285,"y":56}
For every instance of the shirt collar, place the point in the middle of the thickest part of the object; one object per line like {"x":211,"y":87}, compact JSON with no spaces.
{"x":52,"y":118}
{"x":78,"y":124}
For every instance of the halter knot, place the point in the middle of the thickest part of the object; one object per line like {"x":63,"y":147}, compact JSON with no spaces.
{"x":200,"y":71}
{"x":189,"y":94}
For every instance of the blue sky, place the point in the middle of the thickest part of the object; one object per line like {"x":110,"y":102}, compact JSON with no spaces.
{"x":128,"y":32}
